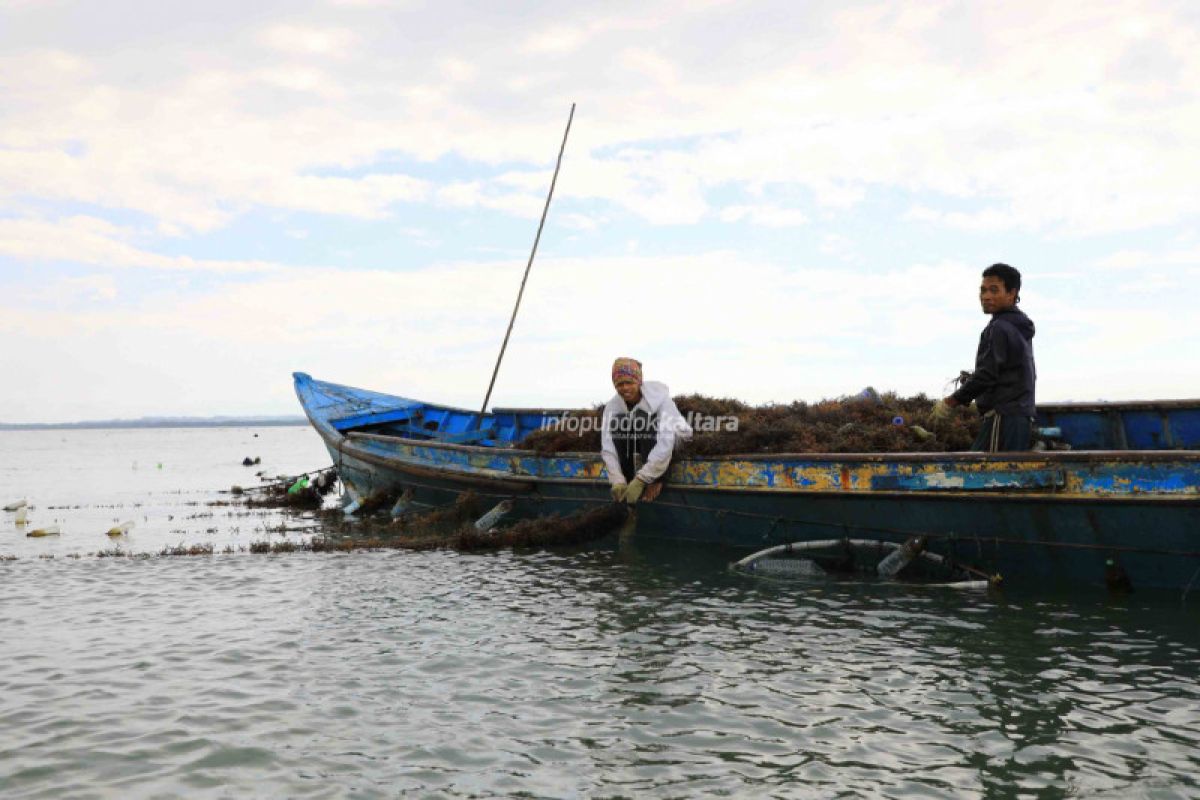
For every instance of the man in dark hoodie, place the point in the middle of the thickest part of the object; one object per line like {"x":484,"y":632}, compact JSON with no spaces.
{"x":1004,"y":377}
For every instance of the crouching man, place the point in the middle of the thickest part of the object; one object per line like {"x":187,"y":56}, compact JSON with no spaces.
{"x":639,"y":431}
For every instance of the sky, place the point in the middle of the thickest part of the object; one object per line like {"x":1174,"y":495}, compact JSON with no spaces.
{"x":768,"y":201}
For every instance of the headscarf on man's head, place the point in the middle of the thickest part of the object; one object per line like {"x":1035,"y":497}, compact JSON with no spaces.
{"x":626,"y":368}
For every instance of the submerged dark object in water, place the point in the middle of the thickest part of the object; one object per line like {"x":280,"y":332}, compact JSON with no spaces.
{"x":863,"y":558}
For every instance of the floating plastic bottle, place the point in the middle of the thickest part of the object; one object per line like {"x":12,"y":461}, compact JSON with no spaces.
{"x":901,"y":557}
{"x":50,"y":530}
{"x":22,"y":515}
{"x":300,"y":485}
{"x":493,"y":517}
{"x":121,"y":530}
{"x":16,"y":506}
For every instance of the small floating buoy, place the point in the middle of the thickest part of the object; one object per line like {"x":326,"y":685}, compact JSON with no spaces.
{"x":120,"y":530}
{"x":16,"y":506}
{"x":51,"y":530}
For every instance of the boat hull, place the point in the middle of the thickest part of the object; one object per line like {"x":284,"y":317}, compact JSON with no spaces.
{"x":1091,"y":519}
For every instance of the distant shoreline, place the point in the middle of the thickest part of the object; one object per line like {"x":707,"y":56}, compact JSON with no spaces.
{"x":156,"y":422}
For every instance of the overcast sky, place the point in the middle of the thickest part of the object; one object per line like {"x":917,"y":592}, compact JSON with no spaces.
{"x":770,"y":201}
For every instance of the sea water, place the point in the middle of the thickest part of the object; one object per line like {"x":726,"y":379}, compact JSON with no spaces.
{"x":627,"y":668}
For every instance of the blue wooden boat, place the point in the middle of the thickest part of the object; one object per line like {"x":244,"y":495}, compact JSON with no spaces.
{"x":1120,"y":508}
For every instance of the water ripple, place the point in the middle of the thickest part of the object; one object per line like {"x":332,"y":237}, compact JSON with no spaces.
{"x":636,"y":670}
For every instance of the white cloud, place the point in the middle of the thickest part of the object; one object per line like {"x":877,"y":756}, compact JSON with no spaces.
{"x":1013,"y":126}
{"x":767,"y":215}
{"x":1058,"y":120}
{"x":88,"y":240}
{"x":723,"y":324}
{"x":1141,"y":259}
{"x":554,"y":40}
{"x":580,"y":222}
{"x":307,"y":40}
{"x":476,"y":194}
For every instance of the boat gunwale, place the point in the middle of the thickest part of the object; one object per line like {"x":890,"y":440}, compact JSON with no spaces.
{"x":1118,"y":405}
{"x":967,"y":456}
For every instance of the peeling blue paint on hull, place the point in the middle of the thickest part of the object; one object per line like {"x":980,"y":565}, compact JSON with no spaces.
{"x":1066,"y":517}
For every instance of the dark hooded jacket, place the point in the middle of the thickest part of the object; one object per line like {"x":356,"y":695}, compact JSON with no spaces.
{"x":1004,"y":370}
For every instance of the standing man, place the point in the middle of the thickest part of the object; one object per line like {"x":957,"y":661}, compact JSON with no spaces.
{"x":638,"y":433}
{"x":1004,"y":377}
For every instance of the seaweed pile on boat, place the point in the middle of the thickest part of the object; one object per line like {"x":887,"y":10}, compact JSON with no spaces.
{"x":866,"y":423}
{"x":885,"y":423}
{"x":568,"y":436}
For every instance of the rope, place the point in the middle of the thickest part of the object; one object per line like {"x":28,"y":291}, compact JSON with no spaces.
{"x":1188,"y":588}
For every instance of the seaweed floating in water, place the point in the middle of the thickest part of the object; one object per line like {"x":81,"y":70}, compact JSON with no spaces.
{"x":187,"y":550}
{"x":300,"y":492}
{"x":547,"y":531}
{"x":453,"y":528}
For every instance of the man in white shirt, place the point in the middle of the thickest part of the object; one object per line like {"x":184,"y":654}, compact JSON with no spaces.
{"x":640,"y":429}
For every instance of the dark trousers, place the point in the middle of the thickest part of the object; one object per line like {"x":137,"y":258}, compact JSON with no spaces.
{"x":1001,"y":434}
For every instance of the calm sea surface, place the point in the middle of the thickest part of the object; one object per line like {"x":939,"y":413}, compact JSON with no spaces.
{"x":636,"y":670}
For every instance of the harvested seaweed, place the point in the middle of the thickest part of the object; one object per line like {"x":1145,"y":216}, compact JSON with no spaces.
{"x":452,"y":528}
{"x":566,"y":437}
{"x":866,"y":423}
{"x":547,"y":531}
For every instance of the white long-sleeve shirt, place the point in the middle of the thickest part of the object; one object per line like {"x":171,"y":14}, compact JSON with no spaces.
{"x":672,"y":430}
